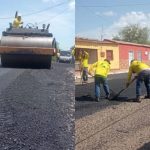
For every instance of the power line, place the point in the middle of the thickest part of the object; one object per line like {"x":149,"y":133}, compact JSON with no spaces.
{"x":122,"y":5}
{"x":60,"y":4}
{"x":53,"y":17}
{"x":39,"y":11}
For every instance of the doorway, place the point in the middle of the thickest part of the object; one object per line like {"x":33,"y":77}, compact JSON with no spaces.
{"x":131,"y":56}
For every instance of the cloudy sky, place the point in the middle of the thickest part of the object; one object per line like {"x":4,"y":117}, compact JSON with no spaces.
{"x":104,"y":18}
{"x":59,"y":13}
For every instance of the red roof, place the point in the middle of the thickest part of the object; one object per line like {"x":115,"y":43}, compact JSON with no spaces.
{"x":92,"y":40}
{"x":126,"y":43}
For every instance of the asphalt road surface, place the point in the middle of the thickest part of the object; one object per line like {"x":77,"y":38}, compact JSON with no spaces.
{"x":111,"y":125}
{"x":85,"y":104}
{"x":37,"y":108}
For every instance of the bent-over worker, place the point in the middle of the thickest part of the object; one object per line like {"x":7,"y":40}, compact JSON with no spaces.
{"x":143,"y":75}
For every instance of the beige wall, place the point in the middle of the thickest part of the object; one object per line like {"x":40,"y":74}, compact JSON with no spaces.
{"x":94,"y":49}
{"x":115,"y":49}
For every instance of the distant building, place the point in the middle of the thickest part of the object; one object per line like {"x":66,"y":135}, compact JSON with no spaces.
{"x":118,"y":52}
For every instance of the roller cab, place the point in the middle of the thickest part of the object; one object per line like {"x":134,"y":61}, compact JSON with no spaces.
{"x":27,"y":47}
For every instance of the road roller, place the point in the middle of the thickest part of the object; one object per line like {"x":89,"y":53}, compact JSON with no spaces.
{"x":27,"y":46}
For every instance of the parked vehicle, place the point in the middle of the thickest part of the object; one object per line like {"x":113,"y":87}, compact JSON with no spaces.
{"x":65,"y":57}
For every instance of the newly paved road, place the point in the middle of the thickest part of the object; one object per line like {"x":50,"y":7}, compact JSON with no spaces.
{"x":37,"y":108}
{"x":85,"y":93}
{"x":111,"y":125}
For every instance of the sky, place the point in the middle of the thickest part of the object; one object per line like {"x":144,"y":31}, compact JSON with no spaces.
{"x":59,"y":13}
{"x":103,"y":19}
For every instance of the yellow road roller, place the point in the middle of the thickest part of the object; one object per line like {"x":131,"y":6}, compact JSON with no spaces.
{"x":27,"y":46}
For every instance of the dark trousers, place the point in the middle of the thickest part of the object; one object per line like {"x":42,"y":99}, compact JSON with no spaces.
{"x":143,"y":76}
{"x":85,"y":74}
{"x":101,"y":80}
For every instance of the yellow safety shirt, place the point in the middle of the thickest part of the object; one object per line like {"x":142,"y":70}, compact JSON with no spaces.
{"x":101,"y":68}
{"x":16,"y":23}
{"x":73,"y":52}
{"x":84,"y":61}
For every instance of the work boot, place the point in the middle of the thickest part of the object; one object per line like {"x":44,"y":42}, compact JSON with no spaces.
{"x":107,"y":96}
{"x":138,"y":99}
{"x":97,"y":99}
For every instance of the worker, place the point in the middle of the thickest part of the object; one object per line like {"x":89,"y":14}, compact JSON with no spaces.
{"x":142,"y":71}
{"x":73,"y":55}
{"x":17,"y":21}
{"x":84,"y":57}
{"x":58,"y":56}
{"x":73,"y":51}
{"x":102,"y":69}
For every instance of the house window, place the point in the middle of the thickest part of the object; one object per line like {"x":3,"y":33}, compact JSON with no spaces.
{"x":139,"y":56}
{"x":109,"y":54}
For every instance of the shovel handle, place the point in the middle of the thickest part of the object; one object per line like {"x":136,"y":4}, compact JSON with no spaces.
{"x":132,"y":80}
{"x":128,"y":86}
{"x":124,"y":88}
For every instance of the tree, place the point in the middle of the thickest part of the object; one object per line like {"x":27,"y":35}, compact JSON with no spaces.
{"x":133,"y":33}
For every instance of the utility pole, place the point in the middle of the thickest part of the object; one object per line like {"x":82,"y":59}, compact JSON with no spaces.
{"x":102,"y":31}
{"x":101,"y":39}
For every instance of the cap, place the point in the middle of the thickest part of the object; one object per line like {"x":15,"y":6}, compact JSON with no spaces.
{"x":107,"y":61}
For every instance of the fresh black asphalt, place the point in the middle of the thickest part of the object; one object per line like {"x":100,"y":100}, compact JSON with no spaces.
{"x":85,"y":104}
{"x":37,"y":108}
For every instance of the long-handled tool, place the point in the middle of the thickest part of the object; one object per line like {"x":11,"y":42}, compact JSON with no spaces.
{"x":81,"y":74}
{"x":117,"y":95}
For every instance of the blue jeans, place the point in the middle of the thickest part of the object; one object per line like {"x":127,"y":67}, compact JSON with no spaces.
{"x":143,"y":76}
{"x":101,"y":80}
{"x":85,"y":74}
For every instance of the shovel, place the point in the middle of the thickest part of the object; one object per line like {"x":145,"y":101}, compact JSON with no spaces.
{"x":117,"y":95}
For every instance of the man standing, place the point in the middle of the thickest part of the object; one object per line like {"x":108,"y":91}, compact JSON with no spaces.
{"x":143,"y":74}
{"x":84,"y":58}
{"x":17,"y":21}
{"x":58,"y":56}
{"x":102,"y":69}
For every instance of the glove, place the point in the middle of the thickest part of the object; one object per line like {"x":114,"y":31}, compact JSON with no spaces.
{"x":127,"y":84}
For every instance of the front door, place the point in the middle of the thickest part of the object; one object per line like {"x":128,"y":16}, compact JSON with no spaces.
{"x":131,"y":56}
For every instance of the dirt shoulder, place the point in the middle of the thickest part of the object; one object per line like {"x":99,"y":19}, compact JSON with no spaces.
{"x":120,"y":127}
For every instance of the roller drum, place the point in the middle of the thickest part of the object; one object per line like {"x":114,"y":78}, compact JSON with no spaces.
{"x":26,"y":61}
{"x":41,"y":42}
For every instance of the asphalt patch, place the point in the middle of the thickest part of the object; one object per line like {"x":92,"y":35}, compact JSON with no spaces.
{"x":121,"y":99}
{"x":85,"y":98}
{"x":86,"y":106}
{"x":146,"y":146}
